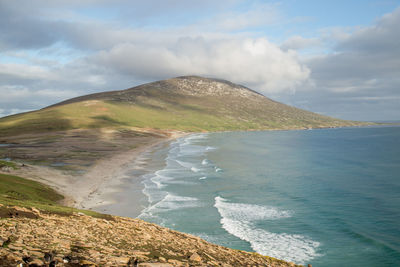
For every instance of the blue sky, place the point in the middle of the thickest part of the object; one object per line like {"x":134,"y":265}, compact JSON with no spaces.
{"x":338,"y":58}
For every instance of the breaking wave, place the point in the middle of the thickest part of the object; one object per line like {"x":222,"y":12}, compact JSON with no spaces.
{"x":239,"y":220}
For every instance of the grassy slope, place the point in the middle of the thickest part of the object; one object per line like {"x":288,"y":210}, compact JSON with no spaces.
{"x":8,"y":164}
{"x":160,"y":106}
{"x":17,"y":191}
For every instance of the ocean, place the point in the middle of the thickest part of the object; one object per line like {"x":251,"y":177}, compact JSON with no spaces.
{"x":326,"y":197}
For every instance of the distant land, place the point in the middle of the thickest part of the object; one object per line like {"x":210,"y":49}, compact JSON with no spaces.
{"x":189,"y":103}
{"x":76,"y":150}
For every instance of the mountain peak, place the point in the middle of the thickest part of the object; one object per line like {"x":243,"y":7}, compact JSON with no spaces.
{"x":187,"y":103}
{"x":201,"y":86}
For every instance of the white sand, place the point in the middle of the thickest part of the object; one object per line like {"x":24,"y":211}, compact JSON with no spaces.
{"x":89,"y":190}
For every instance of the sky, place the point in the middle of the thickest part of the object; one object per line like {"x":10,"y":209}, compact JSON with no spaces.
{"x":336,"y":58}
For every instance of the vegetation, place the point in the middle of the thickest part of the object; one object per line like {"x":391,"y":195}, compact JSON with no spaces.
{"x":17,"y":191}
{"x":11,"y":165}
{"x":175,"y":104}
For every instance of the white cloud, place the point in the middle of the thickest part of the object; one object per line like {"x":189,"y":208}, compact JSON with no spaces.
{"x":68,"y":52}
{"x":366,"y":59}
{"x":24,"y":71}
{"x":253,"y":62}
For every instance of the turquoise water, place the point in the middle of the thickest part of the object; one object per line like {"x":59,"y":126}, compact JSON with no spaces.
{"x":327,"y":197}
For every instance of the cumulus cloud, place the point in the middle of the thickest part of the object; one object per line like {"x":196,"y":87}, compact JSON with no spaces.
{"x":58,"y":52}
{"x":366,"y":59}
{"x":53,"y":50}
{"x":359,"y":76}
{"x":379,"y":38}
{"x":254,"y":62}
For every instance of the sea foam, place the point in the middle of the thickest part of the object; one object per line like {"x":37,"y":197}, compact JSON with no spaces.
{"x":194,"y":169}
{"x":205,"y":162}
{"x":239,"y":220}
{"x":168,"y":203}
{"x":177,"y":165}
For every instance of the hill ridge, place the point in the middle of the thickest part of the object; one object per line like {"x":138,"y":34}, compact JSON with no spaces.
{"x":186,"y":103}
{"x":161,"y":84}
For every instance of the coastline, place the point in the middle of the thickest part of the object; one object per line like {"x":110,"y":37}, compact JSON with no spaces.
{"x":109,"y":175}
{"x":97,"y":186}
{"x":116,"y":196}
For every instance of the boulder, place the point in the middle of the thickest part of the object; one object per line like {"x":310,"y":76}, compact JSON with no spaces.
{"x":195,"y":257}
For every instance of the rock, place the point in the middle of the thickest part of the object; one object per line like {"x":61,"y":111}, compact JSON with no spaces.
{"x":209,"y":256}
{"x":80,"y":245}
{"x":86,"y":263}
{"x":195,"y":257}
{"x":36,"y":211}
{"x":65,"y":244}
{"x":37,"y":254}
{"x":150,"y":264}
{"x":122,"y":260}
{"x":144,"y":253}
{"x":175,"y":262}
{"x":58,"y":259}
{"x":36,"y":262}
{"x":93,"y":253}
{"x":13,"y":247}
{"x":212,"y":263}
{"x":11,"y":258}
{"x":54,"y":240}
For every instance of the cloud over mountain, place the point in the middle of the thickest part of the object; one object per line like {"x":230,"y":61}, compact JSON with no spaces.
{"x":70,"y":48}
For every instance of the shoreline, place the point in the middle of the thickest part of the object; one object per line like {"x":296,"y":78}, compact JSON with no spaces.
{"x":120,"y":194}
{"x":90,"y":190}
{"x":111,"y":173}
{"x":98,"y":186}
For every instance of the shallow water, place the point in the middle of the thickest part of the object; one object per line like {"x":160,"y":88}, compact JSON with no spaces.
{"x":119,"y":200}
{"x":326,"y":197}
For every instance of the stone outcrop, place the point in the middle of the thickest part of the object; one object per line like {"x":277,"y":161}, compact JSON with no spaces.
{"x":29,"y":237}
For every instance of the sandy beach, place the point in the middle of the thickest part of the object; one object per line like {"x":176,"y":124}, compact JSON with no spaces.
{"x":95,"y":187}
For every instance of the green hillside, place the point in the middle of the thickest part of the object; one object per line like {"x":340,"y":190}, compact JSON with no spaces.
{"x":18,"y":191}
{"x":184,"y":103}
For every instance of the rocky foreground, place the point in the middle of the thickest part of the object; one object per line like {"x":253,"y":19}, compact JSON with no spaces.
{"x":29,"y":237}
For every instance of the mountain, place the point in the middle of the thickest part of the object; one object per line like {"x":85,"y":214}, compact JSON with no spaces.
{"x":188,"y":103}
